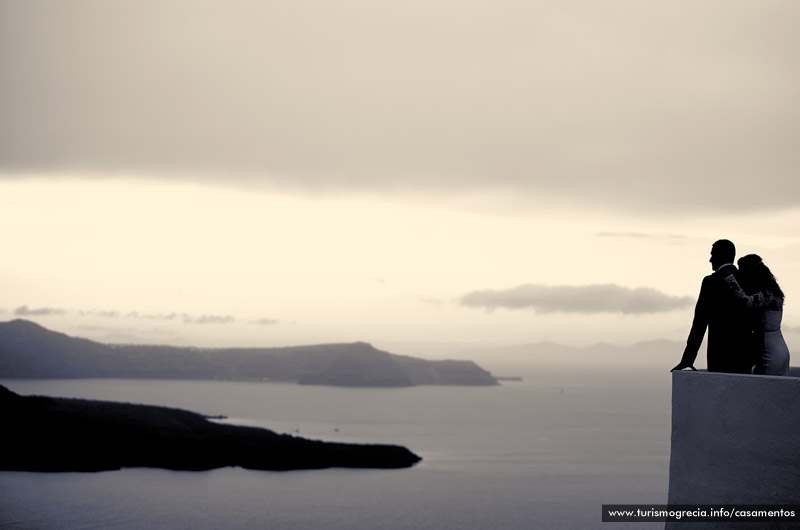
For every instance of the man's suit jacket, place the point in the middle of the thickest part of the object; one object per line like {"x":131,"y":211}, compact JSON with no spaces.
{"x":728,"y":334}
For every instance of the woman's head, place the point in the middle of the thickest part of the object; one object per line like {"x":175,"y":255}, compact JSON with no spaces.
{"x":756,"y":276}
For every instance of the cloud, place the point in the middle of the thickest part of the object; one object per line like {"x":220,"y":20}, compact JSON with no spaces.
{"x":208,"y":319}
{"x":104,"y":314}
{"x":131,"y":314}
{"x":24,"y":310}
{"x":607,"y":298}
{"x":153,"y":316}
{"x":632,"y":105}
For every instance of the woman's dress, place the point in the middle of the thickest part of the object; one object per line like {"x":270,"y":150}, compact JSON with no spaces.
{"x":767,"y":339}
{"x":764,"y":312}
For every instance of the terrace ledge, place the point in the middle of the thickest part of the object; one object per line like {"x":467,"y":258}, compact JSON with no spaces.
{"x":735,"y":440}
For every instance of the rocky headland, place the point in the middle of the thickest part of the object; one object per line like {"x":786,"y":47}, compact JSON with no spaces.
{"x":49,"y":434}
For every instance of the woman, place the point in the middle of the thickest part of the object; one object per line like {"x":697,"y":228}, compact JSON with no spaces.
{"x":763,"y":299}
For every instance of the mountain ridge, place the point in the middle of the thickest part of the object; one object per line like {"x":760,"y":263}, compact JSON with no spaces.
{"x":29,"y":350}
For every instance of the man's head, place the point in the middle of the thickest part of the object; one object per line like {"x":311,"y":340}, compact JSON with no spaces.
{"x":722,"y":252}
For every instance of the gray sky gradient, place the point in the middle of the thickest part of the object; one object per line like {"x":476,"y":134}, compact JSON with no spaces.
{"x":646,"y":106}
{"x":607,"y":298}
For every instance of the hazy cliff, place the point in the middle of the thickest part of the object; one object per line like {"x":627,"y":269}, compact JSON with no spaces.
{"x":59,"y":434}
{"x":28,"y":350}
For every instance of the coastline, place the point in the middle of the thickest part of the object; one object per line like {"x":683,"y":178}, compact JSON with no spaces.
{"x":49,"y":434}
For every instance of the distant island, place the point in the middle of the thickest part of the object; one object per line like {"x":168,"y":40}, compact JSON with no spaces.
{"x":30,"y":351}
{"x":48,"y":434}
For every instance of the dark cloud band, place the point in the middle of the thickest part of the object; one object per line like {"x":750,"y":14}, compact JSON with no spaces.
{"x":460,"y":100}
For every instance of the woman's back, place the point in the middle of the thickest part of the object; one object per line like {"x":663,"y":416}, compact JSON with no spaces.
{"x":766,"y":309}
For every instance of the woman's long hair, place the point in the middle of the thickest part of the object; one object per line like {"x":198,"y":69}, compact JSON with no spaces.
{"x":756,"y":276}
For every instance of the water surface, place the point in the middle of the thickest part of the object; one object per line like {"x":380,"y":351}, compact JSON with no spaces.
{"x":544,"y":453}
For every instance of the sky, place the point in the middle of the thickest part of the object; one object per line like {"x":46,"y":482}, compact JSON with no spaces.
{"x":422,"y":176}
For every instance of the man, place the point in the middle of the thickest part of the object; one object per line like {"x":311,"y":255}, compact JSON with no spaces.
{"x":718,"y":310}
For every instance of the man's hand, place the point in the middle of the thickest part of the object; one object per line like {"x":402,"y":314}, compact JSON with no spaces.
{"x":681,"y":366}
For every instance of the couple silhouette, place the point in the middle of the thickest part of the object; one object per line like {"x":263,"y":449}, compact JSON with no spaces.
{"x":742,"y":309}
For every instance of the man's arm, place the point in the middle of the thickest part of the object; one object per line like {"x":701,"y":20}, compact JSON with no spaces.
{"x":699,"y":325}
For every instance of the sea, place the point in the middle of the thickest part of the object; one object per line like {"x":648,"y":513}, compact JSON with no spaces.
{"x":545,"y":452}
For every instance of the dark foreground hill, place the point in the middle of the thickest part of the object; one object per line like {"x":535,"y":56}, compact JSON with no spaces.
{"x":27,"y":350}
{"x":60,"y":434}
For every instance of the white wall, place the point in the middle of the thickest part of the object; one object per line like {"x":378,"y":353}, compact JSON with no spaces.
{"x":735,"y":440}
